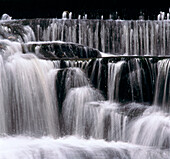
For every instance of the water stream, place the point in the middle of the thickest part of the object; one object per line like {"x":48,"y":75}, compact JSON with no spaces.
{"x":62,"y":97}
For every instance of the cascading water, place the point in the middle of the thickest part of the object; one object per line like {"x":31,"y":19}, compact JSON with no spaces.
{"x":29,"y":104}
{"x":112,"y":36}
{"x":162,"y":97}
{"x":62,"y":98}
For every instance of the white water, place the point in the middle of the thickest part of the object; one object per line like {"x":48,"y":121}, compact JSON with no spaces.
{"x":86,"y":125}
{"x":152,"y":129}
{"x":28,"y":96}
{"x":109,"y":36}
{"x":135,"y":79}
{"x":73,"y":147}
{"x":73,"y":107}
{"x":162,"y":96}
{"x":113,"y":36}
{"x":29,"y":108}
{"x":74,"y":77}
{"x":114,"y":75}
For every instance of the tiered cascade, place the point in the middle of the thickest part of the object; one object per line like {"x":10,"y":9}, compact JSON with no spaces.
{"x":62,"y":97}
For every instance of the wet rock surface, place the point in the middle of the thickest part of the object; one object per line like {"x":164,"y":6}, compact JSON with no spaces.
{"x":58,"y":49}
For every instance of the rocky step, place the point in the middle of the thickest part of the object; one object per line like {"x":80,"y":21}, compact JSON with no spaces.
{"x":58,"y":49}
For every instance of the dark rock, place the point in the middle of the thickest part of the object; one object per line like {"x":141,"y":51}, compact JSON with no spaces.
{"x":56,"y":49}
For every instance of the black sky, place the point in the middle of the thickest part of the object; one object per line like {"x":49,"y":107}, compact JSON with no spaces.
{"x":127,"y":9}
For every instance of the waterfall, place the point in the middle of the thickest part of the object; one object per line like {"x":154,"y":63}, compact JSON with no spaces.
{"x":75,"y":147}
{"x":162,"y":85}
{"x":84,"y":88}
{"x":30,"y":105}
{"x":112,"y":36}
{"x":140,"y":37}
{"x":129,"y":80}
{"x":152,"y":129}
{"x":73,"y":108}
{"x":114,"y":75}
{"x":3,"y":96}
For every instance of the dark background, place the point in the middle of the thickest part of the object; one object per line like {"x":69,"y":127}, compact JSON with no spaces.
{"x":126,"y":9}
